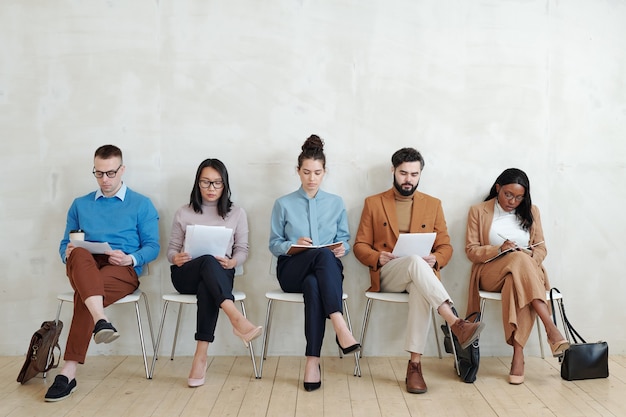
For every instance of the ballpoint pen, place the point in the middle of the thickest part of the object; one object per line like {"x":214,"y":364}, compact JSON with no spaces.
{"x":503,"y":237}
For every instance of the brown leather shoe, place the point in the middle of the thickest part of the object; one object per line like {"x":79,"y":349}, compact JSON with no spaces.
{"x":466,"y":331}
{"x":415,"y":383}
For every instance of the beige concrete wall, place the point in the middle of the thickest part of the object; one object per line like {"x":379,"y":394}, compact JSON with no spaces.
{"x":476,"y":86}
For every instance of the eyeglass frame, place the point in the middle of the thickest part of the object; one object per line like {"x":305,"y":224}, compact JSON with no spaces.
{"x":211,"y":183}
{"x":109,"y":174}
{"x":508,"y":197}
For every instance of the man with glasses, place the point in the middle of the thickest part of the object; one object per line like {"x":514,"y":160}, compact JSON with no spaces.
{"x":126,"y":220}
{"x":403,"y":209}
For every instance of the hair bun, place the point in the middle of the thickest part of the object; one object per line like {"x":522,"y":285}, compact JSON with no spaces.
{"x":313,"y":143}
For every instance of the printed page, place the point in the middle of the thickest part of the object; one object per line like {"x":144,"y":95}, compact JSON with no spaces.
{"x":414,"y":244}
{"x":207,"y":240}
{"x":97,"y":248}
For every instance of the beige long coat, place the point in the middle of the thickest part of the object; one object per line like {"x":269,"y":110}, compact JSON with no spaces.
{"x":518,"y":276}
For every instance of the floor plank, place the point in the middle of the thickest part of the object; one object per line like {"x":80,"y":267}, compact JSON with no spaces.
{"x":115,"y":386}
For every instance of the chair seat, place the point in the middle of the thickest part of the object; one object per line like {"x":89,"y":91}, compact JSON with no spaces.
{"x":130,"y":298}
{"x":134,"y":297}
{"x":187,"y":299}
{"x":290,"y":297}
{"x":192,"y":299}
{"x":392,"y":297}
{"x":280,"y":295}
{"x":496,"y":296}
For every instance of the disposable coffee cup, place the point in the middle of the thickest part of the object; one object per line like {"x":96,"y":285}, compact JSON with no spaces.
{"x":77,"y":235}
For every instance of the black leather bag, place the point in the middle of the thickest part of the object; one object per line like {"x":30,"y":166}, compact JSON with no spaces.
{"x":582,"y":360}
{"x":466,"y":360}
{"x":40,"y":354}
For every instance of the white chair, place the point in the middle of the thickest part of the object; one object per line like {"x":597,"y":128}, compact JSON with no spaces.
{"x":496,"y":296}
{"x":280,"y":295}
{"x":184,"y":299}
{"x":390,"y":297}
{"x":130,"y":298}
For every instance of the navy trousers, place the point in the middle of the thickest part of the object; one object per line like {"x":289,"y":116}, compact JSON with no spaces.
{"x":211,"y":283}
{"x":318,"y":274}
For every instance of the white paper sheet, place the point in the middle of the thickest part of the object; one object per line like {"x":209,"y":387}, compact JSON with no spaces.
{"x":414,"y":244}
{"x":207,"y":240}
{"x":93,"y":247}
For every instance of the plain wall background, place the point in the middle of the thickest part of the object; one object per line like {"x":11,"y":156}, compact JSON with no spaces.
{"x":477,"y":87}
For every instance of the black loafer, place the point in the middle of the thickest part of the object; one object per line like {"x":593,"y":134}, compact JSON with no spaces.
{"x":104,"y":332}
{"x":60,"y":389}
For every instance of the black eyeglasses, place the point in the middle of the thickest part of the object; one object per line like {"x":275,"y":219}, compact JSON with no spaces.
{"x":207,"y":184}
{"x":508,"y":196}
{"x":110,"y":174}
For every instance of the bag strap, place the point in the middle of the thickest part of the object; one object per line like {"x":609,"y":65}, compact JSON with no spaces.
{"x":576,"y":337}
{"x":476,"y":315}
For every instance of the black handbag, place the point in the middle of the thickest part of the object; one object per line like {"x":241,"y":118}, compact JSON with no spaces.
{"x":582,"y":360}
{"x":466,"y":361}
{"x":40,"y":354}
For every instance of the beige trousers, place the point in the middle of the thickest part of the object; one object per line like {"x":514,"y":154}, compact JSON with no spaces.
{"x":413,"y":275}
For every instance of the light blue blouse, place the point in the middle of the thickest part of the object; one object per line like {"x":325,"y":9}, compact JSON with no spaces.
{"x":323,"y":218}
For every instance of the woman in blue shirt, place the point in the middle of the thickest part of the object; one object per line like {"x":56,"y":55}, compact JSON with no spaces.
{"x":312,"y":217}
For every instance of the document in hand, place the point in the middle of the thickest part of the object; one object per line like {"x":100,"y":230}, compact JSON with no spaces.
{"x":295,"y":249}
{"x":206,"y":240}
{"x":414,"y":244}
{"x":96,"y":248}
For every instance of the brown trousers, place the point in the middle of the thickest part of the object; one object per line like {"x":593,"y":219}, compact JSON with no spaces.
{"x":520,"y":280}
{"x":93,"y":275}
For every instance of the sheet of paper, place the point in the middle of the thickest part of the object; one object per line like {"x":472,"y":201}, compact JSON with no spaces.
{"x":414,"y":244}
{"x":93,"y":247}
{"x":295,"y":249}
{"x":207,"y":240}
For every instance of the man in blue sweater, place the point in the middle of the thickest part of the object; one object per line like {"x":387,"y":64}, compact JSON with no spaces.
{"x":126,"y":220}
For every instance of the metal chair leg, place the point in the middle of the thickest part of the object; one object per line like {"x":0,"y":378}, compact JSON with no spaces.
{"x":158,"y":340}
{"x":147,"y":306}
{"x":180,"y":314}
{"x":266,"y":333}
{"x":56,"y":320}
{"x":256,"y":373}
{"x":366,"y":316}
{"x":357,"y":366}
{"x":141,"y":339}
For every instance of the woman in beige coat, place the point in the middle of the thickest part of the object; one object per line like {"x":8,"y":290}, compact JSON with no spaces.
{"x":504,"y":242}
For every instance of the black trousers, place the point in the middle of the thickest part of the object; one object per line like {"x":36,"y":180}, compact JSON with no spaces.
{"x":211,"y":283}
{"x":318,"y":274}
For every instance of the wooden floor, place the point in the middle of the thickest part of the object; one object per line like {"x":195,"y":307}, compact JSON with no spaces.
{"x":116,"y":386}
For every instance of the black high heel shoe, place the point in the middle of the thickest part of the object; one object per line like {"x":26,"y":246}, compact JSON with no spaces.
{"x":312,"y":386}
{"x":350,"y":349}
